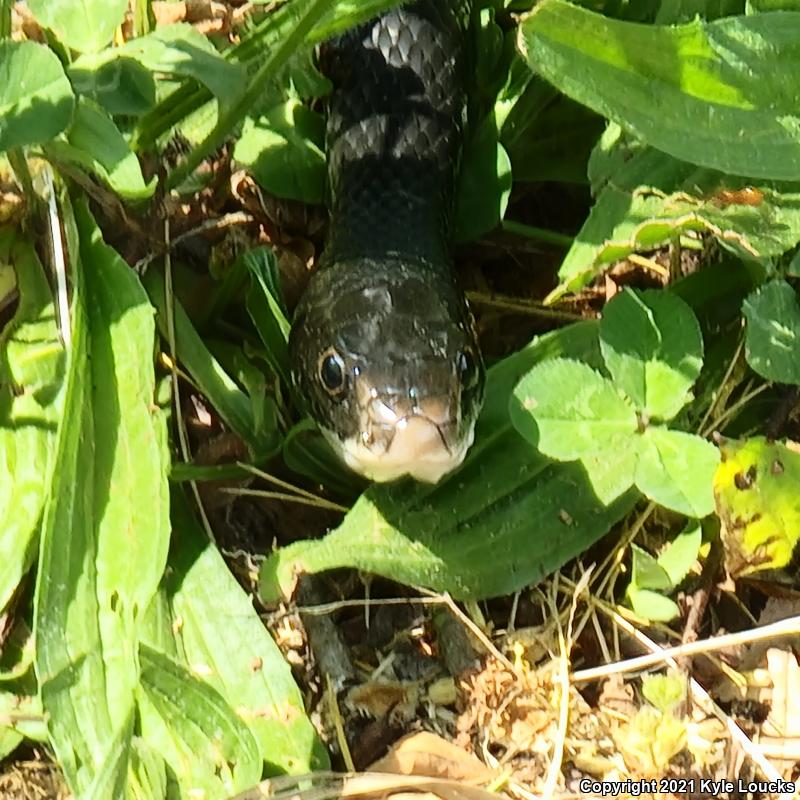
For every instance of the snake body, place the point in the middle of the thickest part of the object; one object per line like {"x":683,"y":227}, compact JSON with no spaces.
{"x":383,"y":345}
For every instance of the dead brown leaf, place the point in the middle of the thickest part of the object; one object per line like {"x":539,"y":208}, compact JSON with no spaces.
{"x":782,"y":726}
{"x":428,"y":754}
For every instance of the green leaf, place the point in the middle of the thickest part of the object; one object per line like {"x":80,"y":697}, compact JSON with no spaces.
{"x":32,"y":365}
{"x":147,"y":773}
{"x":232,"y":404}
{"x":266,"y":308}
{"x":567,"y":409}
{"x":484,"y":184}
{"x":679,"y":555}
{"x":772,"y":343}
{"x":720,"y":94}
{"x":120,"y":84}
{"x":35,"y":96}
{"x":95,"y":144}
{"x":106,"y":529}
{"x":181,"y":51}
{"x":664,"y":692}
{"x":221,"y":631}
{"x":653,"y":348}
{"x":671,"y":12}
{"x":208,"y":748}
{"x":651,"y":605}
{"x":284,"y":151}
{"x":647,"y":199}
{"x":85,"y":26}
{"x":305,"y":14}
{"x":676,"y":470}
{"x":646,"y":572}
{"x":505,"y":519}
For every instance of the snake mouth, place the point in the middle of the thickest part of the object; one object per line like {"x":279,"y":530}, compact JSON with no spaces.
{"x":425,"y":443}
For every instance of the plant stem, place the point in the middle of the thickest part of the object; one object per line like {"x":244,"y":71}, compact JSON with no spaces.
{"x":541,"y":234}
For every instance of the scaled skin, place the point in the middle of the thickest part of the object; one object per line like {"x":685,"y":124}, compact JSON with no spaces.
{"x":385,"y":311}
{"x":408,"y":406}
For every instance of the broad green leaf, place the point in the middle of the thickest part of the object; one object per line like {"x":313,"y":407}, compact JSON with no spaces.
{"x":758,"y":504}
{"x":222,"y":633}
{"x":568,"y":410}
{"x":646,"y":572}
{"x":106,"y":528}
{"x":32,"y":366}
{"x":679,"y":555}
{"x":209,"y":749}
{"x":85,"y":26}
{"x":725,"y":98}
{"x":120,"y":84}
{"x":36,"y":99}
{"x":652,"y":605}
{"x":181,"y":51}
{"x":95,"y":144}
{"x":772,"y":343}
{"x":484,"y":184}
{"x":653,"y":348}
{"x":232,"y":404}
{"x":676,"y":470}
{"x":504,"y":520}
{"x":283,"y":149}
{"x":646,"y":199}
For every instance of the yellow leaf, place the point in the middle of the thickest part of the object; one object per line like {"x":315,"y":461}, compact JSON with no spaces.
{"x":757,"y":491}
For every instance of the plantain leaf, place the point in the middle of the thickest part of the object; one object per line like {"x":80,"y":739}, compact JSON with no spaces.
{"x":504,"y":520}
{"x":221,"y":631}
{"x":211,"y":752}
{"x":106,"y":529}
{"x":32,"y":365}
{"x":646,"y":199}
{"x":721,"y":94}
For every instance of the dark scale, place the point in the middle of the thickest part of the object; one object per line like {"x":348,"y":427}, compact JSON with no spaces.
{"x":395,"y":126}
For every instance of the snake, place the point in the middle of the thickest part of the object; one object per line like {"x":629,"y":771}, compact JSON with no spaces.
{"x":383,"y":346}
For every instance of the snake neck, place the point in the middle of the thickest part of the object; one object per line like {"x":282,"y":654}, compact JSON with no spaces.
{"x":395,"y":124}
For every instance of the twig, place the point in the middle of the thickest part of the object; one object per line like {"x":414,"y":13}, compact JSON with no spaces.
{"x":659,"y":655}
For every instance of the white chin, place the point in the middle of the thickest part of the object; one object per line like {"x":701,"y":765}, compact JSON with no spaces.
{"x":413,"y":452}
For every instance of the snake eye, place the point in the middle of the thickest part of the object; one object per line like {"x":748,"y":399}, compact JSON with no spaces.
{"x":331,"y":372}
{"x":467,"y":369}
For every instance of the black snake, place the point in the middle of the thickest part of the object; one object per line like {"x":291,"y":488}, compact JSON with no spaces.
{"x":383,"y":346}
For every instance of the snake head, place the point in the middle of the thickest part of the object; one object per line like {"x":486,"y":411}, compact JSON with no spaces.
{"x":385,"y":354}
